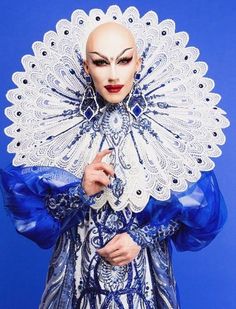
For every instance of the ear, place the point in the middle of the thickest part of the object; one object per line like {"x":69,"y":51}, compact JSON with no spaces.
{"x":138,"y":64}
{"x":85,"y":63}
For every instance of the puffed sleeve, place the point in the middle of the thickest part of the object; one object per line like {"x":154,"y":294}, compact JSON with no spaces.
{"x":43,"y":202}
{"x":203,"y":214}
{"x":192,"y":218}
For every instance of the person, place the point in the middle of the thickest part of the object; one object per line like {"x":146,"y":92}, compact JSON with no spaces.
{"x":109,"y":254}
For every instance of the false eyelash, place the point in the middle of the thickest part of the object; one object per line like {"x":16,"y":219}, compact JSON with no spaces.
{"x":100,"y":62}
{"x":128,"y":59}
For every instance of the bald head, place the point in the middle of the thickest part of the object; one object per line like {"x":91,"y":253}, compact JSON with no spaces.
{"x":111,"y":37}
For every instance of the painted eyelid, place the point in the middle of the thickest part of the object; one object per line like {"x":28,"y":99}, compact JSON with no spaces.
{"x":99,"y":61}
{"x":104,"y":62}
{"x":128,"y":59}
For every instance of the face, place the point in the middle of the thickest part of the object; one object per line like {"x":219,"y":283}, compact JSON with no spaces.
{"x":112,"y":61}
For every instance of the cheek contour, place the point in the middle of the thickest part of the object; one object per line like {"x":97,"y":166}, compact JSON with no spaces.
{"x":101,"y":78}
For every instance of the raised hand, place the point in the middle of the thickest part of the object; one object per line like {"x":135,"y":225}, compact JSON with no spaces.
{"x":97,"y":174}
{"x":120,"y":251}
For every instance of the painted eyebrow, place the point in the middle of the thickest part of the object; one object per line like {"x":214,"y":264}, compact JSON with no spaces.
{"x":104,"y":57}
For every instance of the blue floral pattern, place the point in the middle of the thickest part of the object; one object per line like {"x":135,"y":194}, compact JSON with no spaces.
{"x":78,"y":276}
{"x":60,"y":205}
{"x":101,"y":285}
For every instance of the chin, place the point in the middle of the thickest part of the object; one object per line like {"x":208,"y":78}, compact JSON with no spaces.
{"x":115,"y":98}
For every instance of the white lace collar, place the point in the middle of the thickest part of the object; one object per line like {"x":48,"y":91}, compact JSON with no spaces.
{"x":159,"y":147}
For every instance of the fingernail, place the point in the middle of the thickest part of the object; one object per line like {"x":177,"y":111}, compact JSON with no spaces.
{"x":111,"y":148}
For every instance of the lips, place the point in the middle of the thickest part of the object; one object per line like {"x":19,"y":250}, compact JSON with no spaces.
{"x":113,"y":88}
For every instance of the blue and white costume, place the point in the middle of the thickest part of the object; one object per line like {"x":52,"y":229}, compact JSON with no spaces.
{"x":163,"y":135}
{"x":49,"y":206}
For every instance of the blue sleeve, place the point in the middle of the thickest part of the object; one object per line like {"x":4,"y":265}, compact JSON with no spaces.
{"x":200,"y":212}
{"x":35,"y":199}
{"x":203,"y":214}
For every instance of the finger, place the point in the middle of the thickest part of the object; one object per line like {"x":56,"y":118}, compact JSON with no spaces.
{"x":102,"y":179}
{"x":116,"y":254}
{"x":112,"y":246}
{"x":106,"y":251}
{"x":99,"y":178}
{"x":117,"y":259}
{"x":100,"y":155}
{"x":104,"y":167}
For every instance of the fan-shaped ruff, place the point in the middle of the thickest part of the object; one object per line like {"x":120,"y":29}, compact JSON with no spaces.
{"x":161,"y":149}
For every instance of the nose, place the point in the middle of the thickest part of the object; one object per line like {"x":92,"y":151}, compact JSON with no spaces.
{"x":113,"y":74}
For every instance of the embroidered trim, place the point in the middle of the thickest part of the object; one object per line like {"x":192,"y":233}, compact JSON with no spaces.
{"x":148,"y":235}
{"x":61,"y":204}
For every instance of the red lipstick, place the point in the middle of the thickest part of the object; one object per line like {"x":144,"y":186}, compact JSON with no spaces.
{"x":113,"y":88}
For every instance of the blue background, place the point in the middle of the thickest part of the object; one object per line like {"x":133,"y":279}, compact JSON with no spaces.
{"x":206,"y":278}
